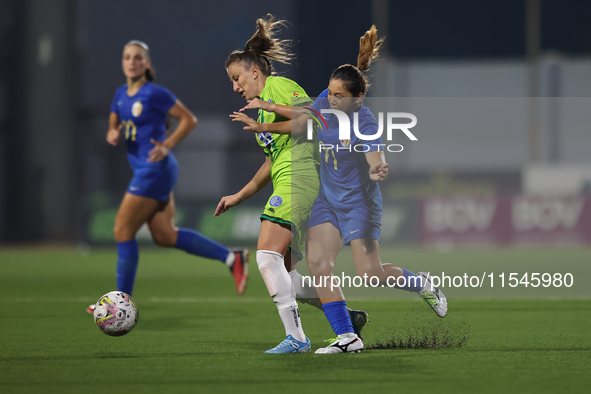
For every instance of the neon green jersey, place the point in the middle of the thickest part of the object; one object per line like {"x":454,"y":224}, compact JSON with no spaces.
{"x":280,"y":147}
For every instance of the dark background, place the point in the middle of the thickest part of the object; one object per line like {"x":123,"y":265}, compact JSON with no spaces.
{"x":54,"y":103}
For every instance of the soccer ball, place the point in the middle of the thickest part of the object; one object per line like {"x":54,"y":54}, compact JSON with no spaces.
{"x":116,"y":313}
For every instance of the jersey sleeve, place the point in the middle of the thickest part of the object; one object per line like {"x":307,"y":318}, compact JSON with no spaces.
{"x":321,"y":102}
{"x":163,"y":100}
{"x":287,"y":92}
{"x":369,"y":128}
{"x":301,"y":101}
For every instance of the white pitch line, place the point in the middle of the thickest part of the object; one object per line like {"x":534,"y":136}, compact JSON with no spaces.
{"x":194,"y":300}
{"x":198,"y":300}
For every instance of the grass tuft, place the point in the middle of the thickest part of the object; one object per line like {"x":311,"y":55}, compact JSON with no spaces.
{"x":418,"y":329}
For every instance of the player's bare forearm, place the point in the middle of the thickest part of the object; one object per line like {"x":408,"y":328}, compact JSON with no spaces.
{"x":114,"y":131}
{"x":259,"y":181}
{"x":293,"y":127}
{"x":287,"y":111}
{"x":113,"y":121}
{"x":187,"y":122}
{"x":277,"y":128}
{"x":375,"y":158}
{"x":186,"y":125}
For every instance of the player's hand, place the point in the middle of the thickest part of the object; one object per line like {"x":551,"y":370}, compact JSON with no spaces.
{"x":251,"y":124}
{"x":226,"y":203}
{"x":378,"y":172}
{"x":114,"y":134}
{"x":257,"y":103}
{"x":159,"y":152}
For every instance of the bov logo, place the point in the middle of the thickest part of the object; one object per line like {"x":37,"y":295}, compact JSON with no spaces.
{"x":345,"y":130}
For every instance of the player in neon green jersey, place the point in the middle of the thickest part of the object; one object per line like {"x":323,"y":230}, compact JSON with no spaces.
{"x":295,"y":188}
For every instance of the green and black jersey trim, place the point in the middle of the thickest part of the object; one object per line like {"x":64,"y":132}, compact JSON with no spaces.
{"x":290,"y":250}
{"x":281,"y":221}
{"x":276,"y":220}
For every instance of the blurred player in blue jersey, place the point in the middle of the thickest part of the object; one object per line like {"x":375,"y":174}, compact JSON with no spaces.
{"x":348,"y":209}
{"x":139,"y":112}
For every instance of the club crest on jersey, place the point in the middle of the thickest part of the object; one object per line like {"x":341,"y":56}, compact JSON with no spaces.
{"x":265,"y":138}
{"x":136,"y":108}
{"x":345,"y":143}
{"x":275,"y":201}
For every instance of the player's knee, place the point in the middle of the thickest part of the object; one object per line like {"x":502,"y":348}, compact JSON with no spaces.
{"x":164,"y":239}
{"x":275,"y":276}
{"x":318,"y":266}
{"x":122,"y":233}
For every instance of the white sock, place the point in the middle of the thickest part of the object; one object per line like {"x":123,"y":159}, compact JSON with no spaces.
{"x":290,"y":316}
{"x":230,"y":259}
{"x":279,"y":285}
{"x":305,"y":292}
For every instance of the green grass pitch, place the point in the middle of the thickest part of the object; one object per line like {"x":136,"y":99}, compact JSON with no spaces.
{"x":195,"y":335}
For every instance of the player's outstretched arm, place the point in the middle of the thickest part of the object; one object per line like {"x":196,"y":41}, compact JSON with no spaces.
{"x":378,"y":170}
{"x":286,"y":111}
{"x":287,"y":127}
{"x":259,"y":181}
{"x":114,"y":131}
{"x":253,"y":125}
{"x":187,"y":122}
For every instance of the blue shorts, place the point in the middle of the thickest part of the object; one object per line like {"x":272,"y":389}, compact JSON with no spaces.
{"x":155,"y":184}
{"x":355,"y":223}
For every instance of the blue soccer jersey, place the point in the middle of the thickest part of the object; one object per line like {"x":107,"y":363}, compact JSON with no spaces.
{"x":344,"y":171}
{"x":143,"y":117}
{"x":348,"y":198}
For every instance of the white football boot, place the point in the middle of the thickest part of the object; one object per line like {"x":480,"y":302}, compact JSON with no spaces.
{"x":346,"y":343}
{"x":433,"y":296}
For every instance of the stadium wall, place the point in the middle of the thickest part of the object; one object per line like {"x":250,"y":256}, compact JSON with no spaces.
{"x":441,"y":222}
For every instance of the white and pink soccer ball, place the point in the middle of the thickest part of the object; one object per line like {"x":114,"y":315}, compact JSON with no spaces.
{"x":116,"y":313}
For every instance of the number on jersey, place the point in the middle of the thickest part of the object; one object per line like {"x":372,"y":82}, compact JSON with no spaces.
{"x":130,"y":129}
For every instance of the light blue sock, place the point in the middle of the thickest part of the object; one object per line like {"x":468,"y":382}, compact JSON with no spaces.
{"x":413,"y":282}
{"x":338,"y":317}
{"x":127,"y":261}
{"x":192,"y":242}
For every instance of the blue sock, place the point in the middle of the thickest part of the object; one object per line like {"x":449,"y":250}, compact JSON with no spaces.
{"x":192,"y":242}
{"x":338,"y":317}
{"x":413,"y":284}
{"x":127,"y":259}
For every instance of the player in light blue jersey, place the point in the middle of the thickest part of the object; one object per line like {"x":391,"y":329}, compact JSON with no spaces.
{"x":139,"y":112}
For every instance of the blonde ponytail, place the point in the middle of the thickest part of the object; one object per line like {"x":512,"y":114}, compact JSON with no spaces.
{"x":263,"y":47}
